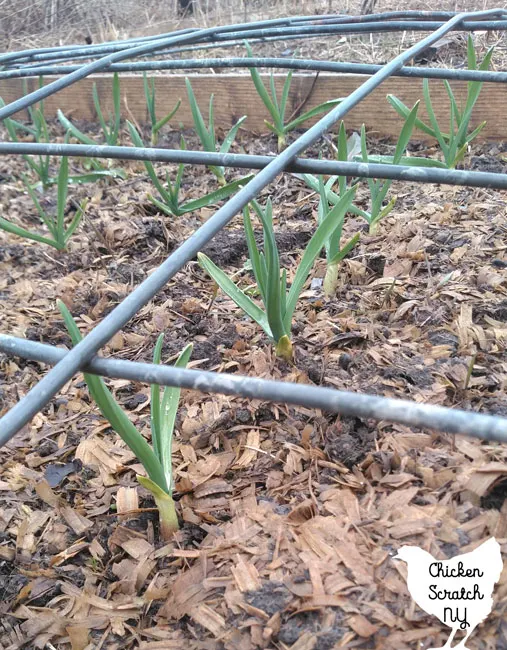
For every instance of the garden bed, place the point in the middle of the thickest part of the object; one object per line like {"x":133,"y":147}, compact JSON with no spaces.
{"x":291,"y":517}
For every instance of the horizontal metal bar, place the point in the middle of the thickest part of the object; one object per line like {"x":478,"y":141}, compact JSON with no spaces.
{"x":305,"y":65}
{"x":478,"y":425}
{"x":89,"y":50}
{"x":40,"y":394}
{"x":244,"y":161}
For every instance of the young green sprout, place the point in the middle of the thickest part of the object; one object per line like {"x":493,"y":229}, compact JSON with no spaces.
{"x":277,"y":108}
{"x":156,"y":460}
{"x":335,"y":252}
{"x":60,"y":233}
{"x":111,"y":129}
{"x":279,"y":304}
{"x":454,"y":144}
{"x":378,"y":188}
{"x":156,"y":125}
{"x":169,"y":194}
{"x":207,"y":133}
{"x":40,"y":133}
{"x":99,"y":171}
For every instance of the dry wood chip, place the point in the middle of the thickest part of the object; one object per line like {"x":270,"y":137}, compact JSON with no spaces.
{"x":7,"y":553}
{"x":127,"y":500}
{"x":411,"y":527}
{"x":94,"y":451}
{"x":362,"y":626}
{"x":6,"y":515}
{"x":32,"y":522}
{"x":125,"y":609}
{"x":187,"y":590}
{"x":208,"y":618}
{"x":73,"y":550}
{"x":249,"y":453}
{"x":137,"y":547}
{"x":78,"y":522}
{"x":336,"y":582}
{"x":354,"y":561}
{"x":482,"y":478}
{"x":307,"y":641}
{"x":169,"y":644}
{"x":398,"y":499}
{"x":47,"y":495}
{"x":316,"y":579}
{"x":409,"y":636}
{"x":96,"y":549}
{"x":397,"y":480}
{"x":212,"y":486}
{"x":78,"y":635}
{"x":302,"y":512}
{"x":246,"y":575}
{"x":383,"y":614}
{"x":241,"y":529}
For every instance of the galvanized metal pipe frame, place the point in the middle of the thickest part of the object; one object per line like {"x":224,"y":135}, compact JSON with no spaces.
{"x":247,"y":161}
{"x":83,"y":353}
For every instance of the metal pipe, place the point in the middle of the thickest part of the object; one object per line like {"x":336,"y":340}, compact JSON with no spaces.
{"x":486,"y":427}
{"x":243,"y":161}
{"x":40,"y":394}
{"x":305,"y":65}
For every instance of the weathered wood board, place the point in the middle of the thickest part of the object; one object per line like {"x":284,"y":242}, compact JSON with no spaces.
{"x":235,"y":96}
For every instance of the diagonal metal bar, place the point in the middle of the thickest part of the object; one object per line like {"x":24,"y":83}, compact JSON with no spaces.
{"x":247,"y":161}
{"x":38,"y":396}
{"x":439,"y":418}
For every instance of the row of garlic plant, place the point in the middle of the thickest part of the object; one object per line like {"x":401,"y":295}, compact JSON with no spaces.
{"x":453,"y":144}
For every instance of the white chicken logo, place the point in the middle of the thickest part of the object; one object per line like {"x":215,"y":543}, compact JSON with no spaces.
{"x":457,"y":591}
